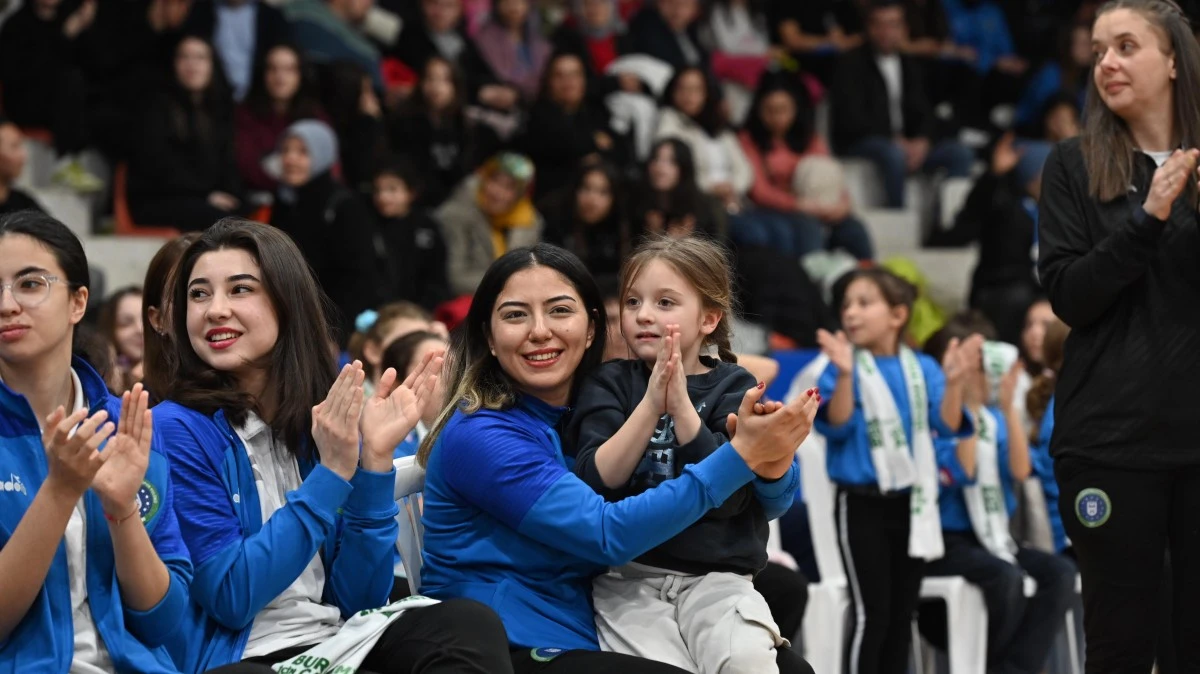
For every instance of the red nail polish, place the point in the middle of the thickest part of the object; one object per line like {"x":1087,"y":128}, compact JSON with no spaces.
{"x":761,"y":385}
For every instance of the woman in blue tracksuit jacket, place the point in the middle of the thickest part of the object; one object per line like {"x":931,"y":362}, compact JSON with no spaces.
{"x":93,"y":573}
{"x":507,"y":522}
{"x":290,"y":527}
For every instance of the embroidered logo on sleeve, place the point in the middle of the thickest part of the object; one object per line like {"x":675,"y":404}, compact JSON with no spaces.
{"x":545,"y":654}
{"x":1092,"y":507}
{"x":148,"y":501}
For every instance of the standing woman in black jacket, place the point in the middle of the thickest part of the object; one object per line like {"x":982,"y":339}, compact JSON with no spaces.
{"x":1119,"y":254}
{"x":182,"y":172}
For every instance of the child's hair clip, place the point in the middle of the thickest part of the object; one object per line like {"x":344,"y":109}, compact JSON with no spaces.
{"x":366,"y":320}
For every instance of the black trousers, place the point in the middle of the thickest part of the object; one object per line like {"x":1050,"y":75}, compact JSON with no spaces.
{"x":885,"y":583}
{"x":786,"y":592}
{"x":538,"y":661}
{"x":1021,"y":630}
{"x":458,"y":636}
{"x":1121,"y":522}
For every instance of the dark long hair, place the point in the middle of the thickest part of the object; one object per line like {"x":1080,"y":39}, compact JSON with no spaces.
{"x":711,"y":119}
{"x":157,"y":353}
{"x":419,"y":104}
{"x":475,"y":379}
{"x":616,"y":220}
{"x":68,"y":253}
{"x":1108,"y":146}
{"x":300,"y":367}
{"x":209,"y":118}
{"x":799,"y":136}
{"x":304,"y":104}
{"x":683,"y":199}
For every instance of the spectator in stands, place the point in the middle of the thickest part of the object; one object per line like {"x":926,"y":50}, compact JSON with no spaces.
{"x":439,"y":30}
{"x":242,"y":31}
{"x":595,"y":33}
{"x":120,"y":324}
{"x":816,"y":32}
{"x":1002,"y":210}
{"x":1061,"y":119}
{"x":512,"y":45}
{"x":949,"y":68}
{"x":692,"y":113}
{"x":414,"y":264}
{"x":329,"y":223}
{"x":375,"y":330}
{"x":327,"y":32}
{"x":12,"y":163}
{"x":156,"y":312}
{"x":669,"y":30}
{"x":982,"y":26}
{"x":93,"y":571}
{"x":490,"y":213}
{"x":741,"y":50}
{"x":434,"y":132}
{"x":1061,"y":78}
{"x":282,"y":93}
{"x":977,"y":496}
{"x":588,"y":218}
{"x":505,"y":519}
{"x":1038,"y":318}
{"x":182,"y":172}
{"x":880,"y":111}
{"x":567,"y":126}
{"x":357,"y":117}
{"x":784,"y":152}
{"x":255,"y":410}
{"x":669,"y":201}
{"x":407,"y":355}
{"x":43,"y":85}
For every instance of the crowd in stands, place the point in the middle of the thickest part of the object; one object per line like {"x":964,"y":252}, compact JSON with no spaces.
{"x":404,"y":147}
{"x":374,"y":130}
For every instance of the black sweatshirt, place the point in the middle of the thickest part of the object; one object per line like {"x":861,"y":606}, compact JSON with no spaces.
{"x":731,"y":537}
{"x":1128,"y":284}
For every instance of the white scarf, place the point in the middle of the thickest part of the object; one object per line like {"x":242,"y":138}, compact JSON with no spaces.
{"x":345,"y":651}
{"x":895,"y":468}
{"x":985,"y":498}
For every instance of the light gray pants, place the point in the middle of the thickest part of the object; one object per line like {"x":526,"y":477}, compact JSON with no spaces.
{"x":711,"y":624}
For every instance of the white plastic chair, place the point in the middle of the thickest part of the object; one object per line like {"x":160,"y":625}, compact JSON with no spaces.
{"x":966,"y":622}
{"x":410,"y":481}
{"x":824,"y":628}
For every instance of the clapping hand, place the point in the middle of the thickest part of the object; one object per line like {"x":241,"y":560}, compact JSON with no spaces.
{"x":838,"y":348}
{"x":335,"y":422}
{"x":74,"y":459}
{"x":126,"y":456}
{"x":663,"y":372}
{"x":394,"y":411}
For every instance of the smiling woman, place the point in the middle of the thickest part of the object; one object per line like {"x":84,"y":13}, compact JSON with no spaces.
{"x":289,"y":523}
{"x":506,"y":521}
{"x":1118,"y":242}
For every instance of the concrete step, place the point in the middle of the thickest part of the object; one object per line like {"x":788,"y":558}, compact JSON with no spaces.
{"x":68,"y":206}
{"x":123,"y":258}
{"x":892,"y":231}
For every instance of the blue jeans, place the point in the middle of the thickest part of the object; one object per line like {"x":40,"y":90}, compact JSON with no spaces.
{"x":952,"y":156}
{"x":797,"y":234}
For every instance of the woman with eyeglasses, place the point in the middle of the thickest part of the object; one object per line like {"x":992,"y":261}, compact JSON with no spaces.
{"x":93,"y":572}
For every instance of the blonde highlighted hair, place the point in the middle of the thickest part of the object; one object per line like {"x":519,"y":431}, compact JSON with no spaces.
{"x":703,"y":263}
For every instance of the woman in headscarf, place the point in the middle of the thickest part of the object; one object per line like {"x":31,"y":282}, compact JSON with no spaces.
{"x":327,"y":221}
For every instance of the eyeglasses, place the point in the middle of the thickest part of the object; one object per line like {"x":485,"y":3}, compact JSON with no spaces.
{"x":29,"y":291}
